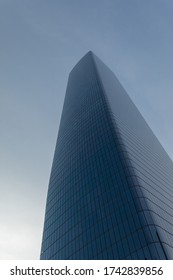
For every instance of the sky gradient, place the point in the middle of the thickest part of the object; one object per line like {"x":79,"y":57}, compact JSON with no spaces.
{"x":41,"y":41}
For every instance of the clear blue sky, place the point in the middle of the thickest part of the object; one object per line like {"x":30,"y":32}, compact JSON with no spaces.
{"x":41,"y":40}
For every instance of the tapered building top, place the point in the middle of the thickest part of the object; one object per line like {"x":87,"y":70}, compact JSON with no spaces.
{"x":110,"y":193}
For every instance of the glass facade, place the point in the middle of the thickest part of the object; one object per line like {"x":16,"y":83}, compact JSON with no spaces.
{"x":110,"y":193}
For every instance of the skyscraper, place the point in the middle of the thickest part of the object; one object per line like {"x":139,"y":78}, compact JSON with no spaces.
{"x":111,"y":186}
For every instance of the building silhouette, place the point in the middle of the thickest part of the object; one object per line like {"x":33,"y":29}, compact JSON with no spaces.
{"x":110,"y":193}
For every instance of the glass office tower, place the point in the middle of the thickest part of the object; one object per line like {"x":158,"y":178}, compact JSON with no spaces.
{"x":111,"y":186}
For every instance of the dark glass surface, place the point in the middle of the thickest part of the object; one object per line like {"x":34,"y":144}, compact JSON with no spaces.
{"x":110,"y":193}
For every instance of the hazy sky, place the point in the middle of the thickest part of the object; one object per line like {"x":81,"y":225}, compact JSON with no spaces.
{"x":40,"y":42}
